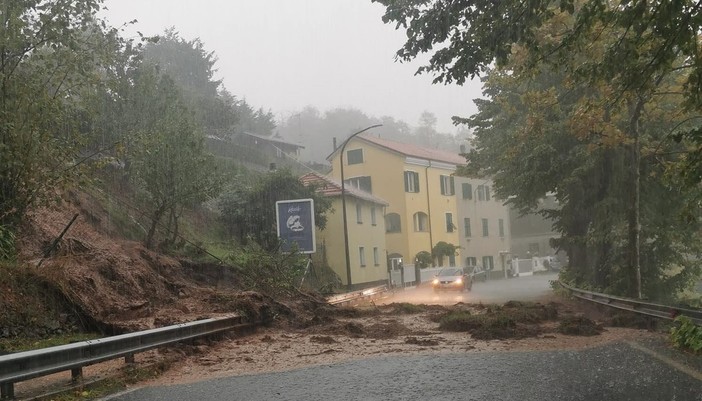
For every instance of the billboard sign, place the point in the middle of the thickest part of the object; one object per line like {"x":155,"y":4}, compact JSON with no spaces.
{"x":295,"y":223}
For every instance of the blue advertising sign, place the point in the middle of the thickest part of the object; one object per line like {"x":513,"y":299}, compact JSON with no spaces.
{"x":295,"y":222}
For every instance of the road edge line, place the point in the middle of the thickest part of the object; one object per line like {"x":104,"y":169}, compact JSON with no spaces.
{"x":668,"y":361}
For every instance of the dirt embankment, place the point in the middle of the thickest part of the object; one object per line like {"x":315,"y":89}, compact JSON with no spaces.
{"x":96,"y":281}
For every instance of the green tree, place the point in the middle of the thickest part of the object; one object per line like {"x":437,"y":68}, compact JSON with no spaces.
{"x":192,"y":68}
{"x":52,"y":54}
{"x":248,"y":207}
{"x":624,"y":51}
{"x":169,"y":162}
{"x":442,"y":249}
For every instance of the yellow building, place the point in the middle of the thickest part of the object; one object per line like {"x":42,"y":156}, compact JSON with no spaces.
{"x":484,"y":225}
{"x":366,"y":233}
{"x":418,"y":185}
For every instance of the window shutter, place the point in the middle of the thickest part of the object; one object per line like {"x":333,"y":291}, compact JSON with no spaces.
{"x":406,"y":181}
{"x":443,"y":185}
{"x":415,"y":177}
{"x":453,"y":186}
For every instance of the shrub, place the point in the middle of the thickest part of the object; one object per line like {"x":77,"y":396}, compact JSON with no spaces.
{"x":7,"y":244}
{"x":686,"y":334}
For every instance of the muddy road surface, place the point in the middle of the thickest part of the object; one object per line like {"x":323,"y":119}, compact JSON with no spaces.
{"x":526,"y":288}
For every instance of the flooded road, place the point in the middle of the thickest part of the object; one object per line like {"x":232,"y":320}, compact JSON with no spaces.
{"x":527,"y":288}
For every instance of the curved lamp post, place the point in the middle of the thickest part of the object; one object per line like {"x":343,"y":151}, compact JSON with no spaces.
{"x":343,"y":201}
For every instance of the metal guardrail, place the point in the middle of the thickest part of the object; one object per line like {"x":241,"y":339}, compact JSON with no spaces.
{"x":27,"y":365}
{"x":636,"y":306}
{"x":354,"y":296}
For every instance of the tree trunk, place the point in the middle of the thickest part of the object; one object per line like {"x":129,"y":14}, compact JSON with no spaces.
{"x":174,"y":228}
{"x":635,"y":213}
{"x":158,"y":214}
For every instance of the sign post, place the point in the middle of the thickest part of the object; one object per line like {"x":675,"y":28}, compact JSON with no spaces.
{"x":295,"y":224}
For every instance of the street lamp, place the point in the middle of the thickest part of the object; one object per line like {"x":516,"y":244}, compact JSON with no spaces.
{"x":343,"y":201}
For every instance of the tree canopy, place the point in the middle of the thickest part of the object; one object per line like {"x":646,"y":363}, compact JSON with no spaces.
{"x":585,"y":99}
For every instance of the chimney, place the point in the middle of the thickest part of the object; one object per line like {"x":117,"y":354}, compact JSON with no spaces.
{"x":334,"y":141}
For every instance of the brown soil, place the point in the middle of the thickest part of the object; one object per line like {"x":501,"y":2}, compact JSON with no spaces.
{"x":120,"y":286}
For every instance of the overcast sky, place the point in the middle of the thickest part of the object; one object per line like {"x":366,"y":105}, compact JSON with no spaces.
{"x":286,"y":54}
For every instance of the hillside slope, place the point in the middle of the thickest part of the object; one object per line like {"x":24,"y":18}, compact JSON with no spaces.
{"x":98,"y":281}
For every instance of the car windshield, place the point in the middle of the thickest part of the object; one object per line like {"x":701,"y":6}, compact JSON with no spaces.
{"x":450,"y":272}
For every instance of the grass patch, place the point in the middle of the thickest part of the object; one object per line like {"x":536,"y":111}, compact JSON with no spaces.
{"x":511,"y":320}
{"x":578,"y":326}
{"x":129,"y":375}
{"x":407,"y":308}
{"x":18,"y":344}
{"x":488,"y":326}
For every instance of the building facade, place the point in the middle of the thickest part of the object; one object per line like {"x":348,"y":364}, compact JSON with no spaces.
{"x":418,"y":185}
{"x":533,"y":233}
{"x":366,"y":233}
{"x":484,"y":225}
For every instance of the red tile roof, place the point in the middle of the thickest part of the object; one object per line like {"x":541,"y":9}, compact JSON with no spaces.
{"x":410,"y":150}
{"x":331,"y":187}
{"x":416,"y":151}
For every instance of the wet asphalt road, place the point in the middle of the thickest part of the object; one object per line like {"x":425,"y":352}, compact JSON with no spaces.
{"x":615,"y":372}
{"x":494,"y":291}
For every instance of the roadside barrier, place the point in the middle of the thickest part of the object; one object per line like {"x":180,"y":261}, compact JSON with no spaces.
{"x":355,"y":296}
{"x":637,"y":306}
{"x":22,"y":366}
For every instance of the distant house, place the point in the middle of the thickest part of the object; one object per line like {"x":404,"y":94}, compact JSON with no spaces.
{"x":532,"y":233}
{"x":255,"y":151}
{"x":272,"y":146}
{"x":366,"y":233}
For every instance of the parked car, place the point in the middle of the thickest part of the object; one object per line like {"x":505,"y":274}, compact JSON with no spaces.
{"x":477,"y":273}
{"x":452,"y":279}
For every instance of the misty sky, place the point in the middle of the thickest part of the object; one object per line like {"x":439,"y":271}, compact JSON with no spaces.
{"x":287,"y":54}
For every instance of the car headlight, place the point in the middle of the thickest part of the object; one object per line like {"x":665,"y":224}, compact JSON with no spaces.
{"x":435,"y":281}
{"x":459,"y":281}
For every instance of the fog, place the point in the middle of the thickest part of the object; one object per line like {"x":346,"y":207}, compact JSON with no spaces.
{"x":285,"y":55}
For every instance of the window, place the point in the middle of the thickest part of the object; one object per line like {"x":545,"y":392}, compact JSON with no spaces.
{"x":466,"y":227}
{"x":354,"y":156}
{"x":488,"y":263}
{"x":392,"y":223}
{"x":471,"y":261}
{"x":376,"y":257}
{"x":359,"y":213}
{"x":362,"y":183}
{"x":449,"y":223}
{"x":411,"y":181}
{"x":373,"y":219}
{"x":362,"y":256}
{"x":421,"y":221}
{"x":481,"y":192}
{"x":485,"y":228}
{"x":452,"y":260}
{"x":447,"y":185}
{"x":467,"y":190}
{"x":501,"y":227}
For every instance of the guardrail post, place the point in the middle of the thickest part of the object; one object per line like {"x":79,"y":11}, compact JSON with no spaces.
{"x":76,"y":374}
{"x":7,"y":391}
